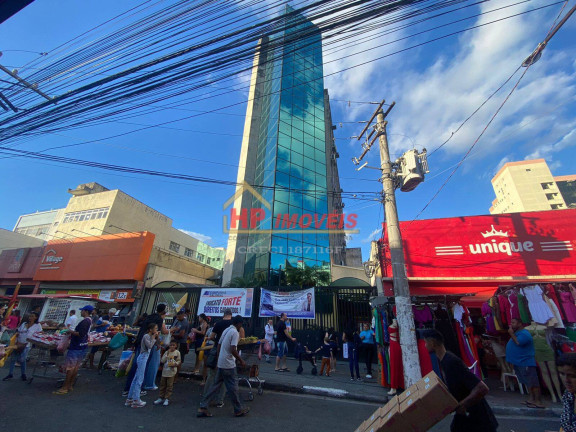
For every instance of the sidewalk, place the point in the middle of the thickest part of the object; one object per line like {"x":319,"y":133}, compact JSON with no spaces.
{"x":339,"y":385}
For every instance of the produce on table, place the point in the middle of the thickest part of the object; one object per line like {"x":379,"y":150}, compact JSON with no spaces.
{"x":248,"y":340}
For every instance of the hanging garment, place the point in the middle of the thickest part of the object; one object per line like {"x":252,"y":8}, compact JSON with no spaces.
{"x":385,"y":323}
{"x":504,"y":309}
{"x":477,"y":370}
{"x":543,"y":351}
{"x":396,"y":369}
{"x":568,"y":305}
{"x":539,"y":310}
{"x":487,"y":314}
{"x":550,"y":292}
{"x":424,"y":356}
{"x":422,"y":316}
{"x":495,"y":305}
{"x":571,"y":333}
{"x":555,"y":311}
{"x":443,"y":324}
{"x":458,"y":312}
{"x":377,"y":326}
{"x":523,"y":308}
{"x":514,"y":310}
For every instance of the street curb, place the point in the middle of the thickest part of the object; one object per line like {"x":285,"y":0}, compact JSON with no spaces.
{"x":501,"y":410}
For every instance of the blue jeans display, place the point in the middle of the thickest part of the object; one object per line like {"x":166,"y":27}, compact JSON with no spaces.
{"x":20,"y":357}
{"x":353,"y":360}
{"x":230,"y":380}
{"x":136,"y":385}
{"x":152,"y":368}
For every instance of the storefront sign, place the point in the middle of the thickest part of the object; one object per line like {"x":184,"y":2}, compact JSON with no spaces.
{"x":107,"y":295}
{"x":214,"y":301}
{"x":506,"y":245}
{"x":115,"y":257}
{"x":296,"y":304}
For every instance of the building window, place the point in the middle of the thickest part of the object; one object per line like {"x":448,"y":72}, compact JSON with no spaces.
{"x":528,"y":170}
{"x":551,"y":196}
{"x":175,"y":247}
{"x":546,"y":186}
{"x":200,"y":257}
{"x":208,"y":260}
{"x":189,"y":252}
{"x":555,"y":206}
{"x":83,"y":215}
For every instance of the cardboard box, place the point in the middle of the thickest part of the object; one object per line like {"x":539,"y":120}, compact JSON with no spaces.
{"x":430,"y":404}
{"x":408,"y":392}
{"x":393,"y":421}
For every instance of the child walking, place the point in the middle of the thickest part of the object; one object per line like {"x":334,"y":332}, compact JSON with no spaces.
{"x":171,"y":361}
{"x":327,"y":356}
{"x":148,"y":341}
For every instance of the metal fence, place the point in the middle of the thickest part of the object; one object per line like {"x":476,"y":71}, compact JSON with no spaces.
{"x":336,"y":307}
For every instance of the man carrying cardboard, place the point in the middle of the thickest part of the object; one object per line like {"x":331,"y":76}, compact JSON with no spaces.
{"x":473,"y":412}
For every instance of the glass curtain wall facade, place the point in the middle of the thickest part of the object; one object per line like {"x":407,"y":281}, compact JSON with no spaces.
{"x":291,"y":157}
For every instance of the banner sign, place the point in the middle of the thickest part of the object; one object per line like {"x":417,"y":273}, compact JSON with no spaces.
{"x":214,"y":301}
{"x":296,"y":304}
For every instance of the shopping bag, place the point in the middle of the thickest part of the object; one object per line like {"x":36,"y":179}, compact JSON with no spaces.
{"x":191,"y":337}
{"x":125,"y":363}
{"x":266,"y":348}
{"x":345,"y":351}
{"x":64,"y":343}
{"x":118,"y":341}
{"x":5,"y":338}
{"x":165,"y":340}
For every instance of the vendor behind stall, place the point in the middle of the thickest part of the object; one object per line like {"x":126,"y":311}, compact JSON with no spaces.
{"x":101,"y":326}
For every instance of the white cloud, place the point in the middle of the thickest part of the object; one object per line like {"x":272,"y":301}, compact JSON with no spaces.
{"x":547,"y":151}
{"x":374,"y":235}
{"x":433,"y":100}
{"x":202,"y":237}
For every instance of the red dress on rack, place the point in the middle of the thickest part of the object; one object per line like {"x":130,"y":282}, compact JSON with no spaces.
{"x":396,"y":369}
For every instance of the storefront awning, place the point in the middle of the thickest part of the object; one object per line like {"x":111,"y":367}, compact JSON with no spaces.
{"x":48,"y":296}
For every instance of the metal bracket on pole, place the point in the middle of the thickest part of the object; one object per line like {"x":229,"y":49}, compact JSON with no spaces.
{"x":33,"y":87}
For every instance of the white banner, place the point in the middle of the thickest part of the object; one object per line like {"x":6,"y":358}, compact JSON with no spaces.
{"x":296,"y":304}
{"x":214,"y":301}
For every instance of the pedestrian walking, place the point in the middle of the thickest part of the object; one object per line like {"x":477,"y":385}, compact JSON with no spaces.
{"x":473,"y":414}
{"x":155,"y":318}
{"x":149,"y":341}
{"x":352,"y":340}
{"x":211,"y":360}
{"x":226,"y":374}
{"x":333,"y":338}
{"x":566,"y":364}
{"x":282,"y":336}
{"x":367,"y":347}
{"x":327,"y":355}
{"x":76,"y":349}
{"x":200,"y":332}
{"x":171,"y":361}
{"x":521,"y":354}
{"x":269,"y":333}
{"x":26,"y":330}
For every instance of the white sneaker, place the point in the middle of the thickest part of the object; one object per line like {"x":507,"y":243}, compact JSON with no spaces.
{"x":392,"y":392}
{"x":166,"y":402}
{"x":158,"y":401}
{"x":138,"y":404}
{"x":368,"y":376}
{"x":128,"y":402}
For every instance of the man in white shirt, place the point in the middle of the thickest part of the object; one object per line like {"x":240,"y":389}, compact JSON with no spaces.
{"x":70,"y":322}
{"x":226,"y":374}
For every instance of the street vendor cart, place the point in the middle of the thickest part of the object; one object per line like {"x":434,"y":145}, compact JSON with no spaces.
{"x":250,"y":353}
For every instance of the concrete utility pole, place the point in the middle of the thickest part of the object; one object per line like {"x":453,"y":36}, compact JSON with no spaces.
{"x":405,"y":316}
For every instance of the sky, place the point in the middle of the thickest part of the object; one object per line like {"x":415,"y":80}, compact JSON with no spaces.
{"x":436,"y":86}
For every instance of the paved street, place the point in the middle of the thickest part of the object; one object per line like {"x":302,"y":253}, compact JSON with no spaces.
{"x":96,"y":405}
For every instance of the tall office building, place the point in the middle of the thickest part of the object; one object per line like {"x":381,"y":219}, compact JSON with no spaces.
{"x":528,"y":185}
{"x":288,"y":153}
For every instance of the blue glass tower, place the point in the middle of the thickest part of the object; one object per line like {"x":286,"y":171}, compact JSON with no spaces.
{"x":289,"y":155}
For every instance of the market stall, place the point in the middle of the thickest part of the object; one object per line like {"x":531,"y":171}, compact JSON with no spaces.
{"x":447,"y":314}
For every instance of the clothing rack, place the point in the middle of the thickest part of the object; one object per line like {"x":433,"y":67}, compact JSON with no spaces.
{"x":421,"y":300}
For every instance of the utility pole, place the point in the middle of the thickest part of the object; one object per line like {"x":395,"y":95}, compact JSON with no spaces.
{"x":404,"y":314}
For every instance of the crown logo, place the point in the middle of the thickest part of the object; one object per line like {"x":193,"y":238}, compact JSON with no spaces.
{"x":494,"y":233}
